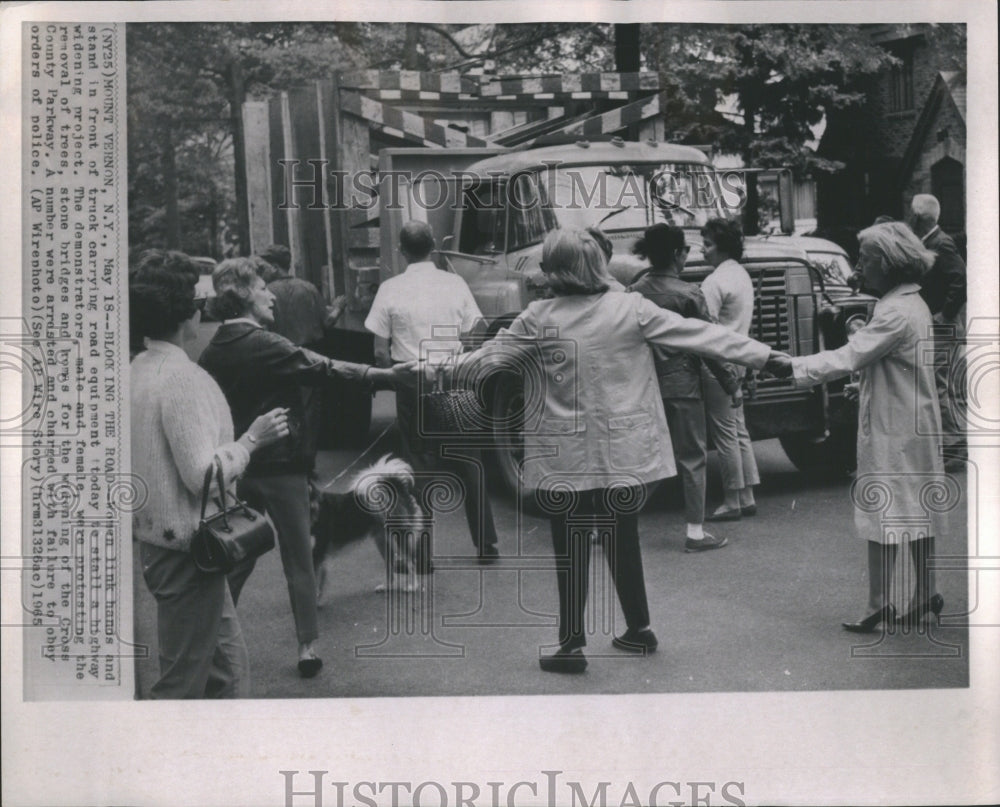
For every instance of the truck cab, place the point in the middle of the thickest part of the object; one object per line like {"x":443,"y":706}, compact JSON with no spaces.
{"x":501,"y":207}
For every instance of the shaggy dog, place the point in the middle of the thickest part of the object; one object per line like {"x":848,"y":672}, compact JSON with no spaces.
{"x":380,"y":504}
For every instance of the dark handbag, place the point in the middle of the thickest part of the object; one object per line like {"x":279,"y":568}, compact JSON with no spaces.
{"x":452,"y":411}
{"x":235,"y":533}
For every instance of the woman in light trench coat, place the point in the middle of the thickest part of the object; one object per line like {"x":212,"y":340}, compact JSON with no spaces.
{"x":600,"y":434}
{"x":900,"y":493}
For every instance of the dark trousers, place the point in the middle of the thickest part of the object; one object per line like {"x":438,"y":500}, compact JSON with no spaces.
{"x":427,"y":455}
{"x":571,"y":541}
{"x":285,"y":498}
{"x":686,"y":421}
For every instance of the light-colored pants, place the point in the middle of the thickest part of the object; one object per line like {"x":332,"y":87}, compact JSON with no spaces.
{"x":950,"y":380}
{"x":729,"y":433}
{"x":202,"y":651}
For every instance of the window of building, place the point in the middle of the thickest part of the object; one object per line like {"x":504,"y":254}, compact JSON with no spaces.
{"x":901,"y":79}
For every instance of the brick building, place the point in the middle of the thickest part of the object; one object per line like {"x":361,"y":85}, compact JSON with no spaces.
{"x":908,"y":139}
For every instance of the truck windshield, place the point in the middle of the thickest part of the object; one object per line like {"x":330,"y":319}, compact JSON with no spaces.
{"x":630,"y":197}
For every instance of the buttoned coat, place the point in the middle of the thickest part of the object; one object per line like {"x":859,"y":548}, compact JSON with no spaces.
{"x":900,"y":490}
{"x":594,"y":417}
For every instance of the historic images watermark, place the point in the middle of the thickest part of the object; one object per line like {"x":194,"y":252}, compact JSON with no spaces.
{"x":316,"y":788}
{"x":311,"y":185}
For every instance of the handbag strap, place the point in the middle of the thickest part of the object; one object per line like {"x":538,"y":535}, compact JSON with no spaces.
{"x":221,"y":482}
{"x":206,"y":486}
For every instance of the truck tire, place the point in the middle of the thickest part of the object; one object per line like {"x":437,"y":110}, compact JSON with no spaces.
{"x":832,"y":457}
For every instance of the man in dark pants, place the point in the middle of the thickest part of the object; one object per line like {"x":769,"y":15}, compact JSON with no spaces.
{"x":420,"y":314}
{"x":944,"y":290}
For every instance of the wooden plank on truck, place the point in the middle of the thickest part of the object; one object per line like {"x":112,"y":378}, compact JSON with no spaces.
{"x":288,"y":171}
{"x":350,"y":151}
{"x":257,"y":141}
{"x":614,"y":120}
{"x":311,"y":169}
{"x":276,"y":138}
{"x":406,"y":125}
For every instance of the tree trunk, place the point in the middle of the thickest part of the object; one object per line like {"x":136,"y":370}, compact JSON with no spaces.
{"x":168,"y":163}
{"x":237,"y":95}
{"x":411,"y":58}
{"x":751,"y":217}
{"x":627,"y":48}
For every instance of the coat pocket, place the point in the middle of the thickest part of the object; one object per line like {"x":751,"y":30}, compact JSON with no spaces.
{"x":630,"y":441}
{"x":559,"y":443}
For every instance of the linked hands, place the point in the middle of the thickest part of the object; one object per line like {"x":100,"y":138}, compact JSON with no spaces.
{"x":405,"y":374}
{"x":779,"y":364}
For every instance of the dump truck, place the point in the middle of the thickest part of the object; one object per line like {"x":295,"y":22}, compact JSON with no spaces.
{"x":491,"y":203}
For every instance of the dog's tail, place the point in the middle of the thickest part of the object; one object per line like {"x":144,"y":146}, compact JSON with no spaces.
{"x":384,"y":485}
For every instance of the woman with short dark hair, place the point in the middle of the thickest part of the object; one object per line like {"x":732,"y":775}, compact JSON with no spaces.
{"x":180,"y":425}
{"x":258,"y":370}
{"x":679,"y":374}
{"x":728,"y":293}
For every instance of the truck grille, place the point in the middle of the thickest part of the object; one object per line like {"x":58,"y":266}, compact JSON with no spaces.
{"x":770,"y":315}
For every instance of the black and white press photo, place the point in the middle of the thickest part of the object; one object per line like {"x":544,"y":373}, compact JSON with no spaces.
{"x":475,"y":403}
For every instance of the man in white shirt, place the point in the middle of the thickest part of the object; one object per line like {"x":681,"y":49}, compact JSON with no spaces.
{"x":728,"y":294}
{"x":422,"y":314}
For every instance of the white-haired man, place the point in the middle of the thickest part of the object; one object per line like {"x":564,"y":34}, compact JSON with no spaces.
{"x":944,"y":290}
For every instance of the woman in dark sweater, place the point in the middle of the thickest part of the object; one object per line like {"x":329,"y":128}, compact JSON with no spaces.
{"x":258,"y":371}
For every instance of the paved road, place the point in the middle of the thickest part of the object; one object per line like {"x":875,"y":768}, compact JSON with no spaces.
{"x":762,"y":614}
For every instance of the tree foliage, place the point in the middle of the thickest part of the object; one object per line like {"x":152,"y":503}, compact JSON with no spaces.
{"x":758,"y":90}
{"x":186,"y":83}
{"x":755,"y":90}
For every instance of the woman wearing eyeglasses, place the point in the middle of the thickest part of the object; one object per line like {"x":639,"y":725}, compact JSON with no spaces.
{"x":679,"y":374}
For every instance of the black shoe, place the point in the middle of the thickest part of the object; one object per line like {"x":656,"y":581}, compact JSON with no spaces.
{"x":637,"y":641}
{"x":704,"y":544}
{"x":887,"y":614}
{"x":725,"y":515}
{"x":489,"y":554}
{"x":309,"y":667}
{"x":748,"y":510}
{"x":912,"y":617}
{"x":564,"y":661}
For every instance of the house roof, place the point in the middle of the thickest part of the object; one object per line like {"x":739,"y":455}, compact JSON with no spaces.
{"x":947,"y":85}
{"x":955,"y":82}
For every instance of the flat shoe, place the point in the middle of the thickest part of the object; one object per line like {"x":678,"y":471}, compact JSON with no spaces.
{"x":705,"y":544}
{"x":309,"y":667}
{"x":637,"y":641}
{"x":725,"y":515}
{"x":564,"y":661}
{"x":749,"y":510}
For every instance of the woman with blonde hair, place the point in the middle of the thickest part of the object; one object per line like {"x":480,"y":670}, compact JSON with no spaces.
{"x":899,"y":424}
{"x":601,"y":435}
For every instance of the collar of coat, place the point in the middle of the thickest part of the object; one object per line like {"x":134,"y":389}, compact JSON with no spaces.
{"x":901,"y":289}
